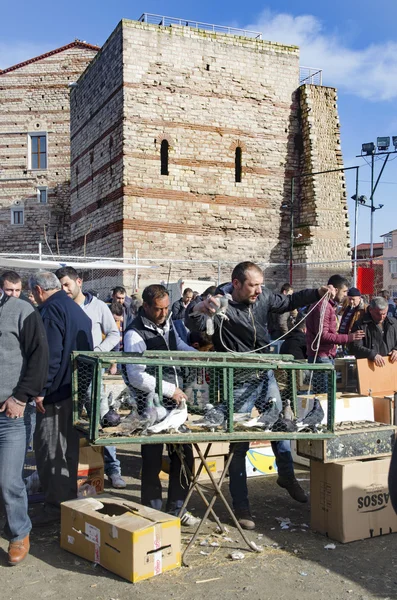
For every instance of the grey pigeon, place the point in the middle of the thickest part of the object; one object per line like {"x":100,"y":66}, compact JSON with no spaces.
{"x":268,"y":417}
{"x":284,"y":425}
{"x":313,"y":418}
{"x":213,"y":417}
{"x":175,"y":418}
{"x":132,"y":423}
{"x":288,"y":413}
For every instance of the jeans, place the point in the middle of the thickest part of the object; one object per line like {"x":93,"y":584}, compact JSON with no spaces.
{"x":56,"y":445}
{"x":12,"y":486}
{"x":178,"y":486}
{"x":245,"y":398}
{"x":320,"y":380}
{"x":30,"y":422}
{"x":112,"y":463}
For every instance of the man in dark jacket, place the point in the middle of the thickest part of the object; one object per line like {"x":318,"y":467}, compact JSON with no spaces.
{"x":245,"y":330}
{"x":295,"y":341}
{"x":179,"y":307}
{"x":153,"y":329}
{"x":56,"y":442}
{"x":380,"y":334}
{"x":23,"y":372}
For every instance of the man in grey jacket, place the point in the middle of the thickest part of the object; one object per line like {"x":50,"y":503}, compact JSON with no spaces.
{"x":106,"y":336}
{"x":23,"y":373}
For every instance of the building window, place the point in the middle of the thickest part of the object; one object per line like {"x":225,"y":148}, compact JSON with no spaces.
{"x":37,"y":150}
{"x":393,"y":266}
{"x":388,"y":241}
{"x":164,"y":157}
{"x":237,"y":164}
{"x":17,"y":216}
{"x":42,"y":195}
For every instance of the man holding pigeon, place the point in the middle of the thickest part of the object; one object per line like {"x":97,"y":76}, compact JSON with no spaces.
{"x":245,"y":330}
{"x":152,"y":329}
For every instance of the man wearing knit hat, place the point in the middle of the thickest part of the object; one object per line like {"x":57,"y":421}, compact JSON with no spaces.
{"x":353,"y":309}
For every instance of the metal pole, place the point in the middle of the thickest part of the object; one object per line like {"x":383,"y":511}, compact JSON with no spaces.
{"x":136,"y":270}
{"x":219,"y":272}
{"x":371,"y":246}
{"x":355,"y":232}
{"x":291,"y":243}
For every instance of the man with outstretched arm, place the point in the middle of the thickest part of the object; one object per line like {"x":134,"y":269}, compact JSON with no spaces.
{"x":245,"y":330}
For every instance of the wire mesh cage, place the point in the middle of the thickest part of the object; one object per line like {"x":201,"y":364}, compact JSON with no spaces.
{"x":202,"y":396}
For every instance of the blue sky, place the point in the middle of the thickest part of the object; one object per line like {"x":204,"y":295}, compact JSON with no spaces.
{"x":353,"y":41}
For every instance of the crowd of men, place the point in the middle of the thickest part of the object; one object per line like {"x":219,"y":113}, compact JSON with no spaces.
{"x":39,"y":330}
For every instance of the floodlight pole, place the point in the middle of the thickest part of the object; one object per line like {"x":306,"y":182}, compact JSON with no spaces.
{"x":355,"y":232}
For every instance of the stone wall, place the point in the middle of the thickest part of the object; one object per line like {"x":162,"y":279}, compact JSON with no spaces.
{"x":205,"y":94}
{"x":34,"y":97}
{"x":321,"y":232}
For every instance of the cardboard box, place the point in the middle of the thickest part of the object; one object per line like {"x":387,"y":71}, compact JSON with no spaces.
{"x":216,"y":464}
{"x":384,"y":409}
{"x":260,"y":461}
{"x":348,"y":407}
{"x":350,"y":501}
{"x":91,"y":468}
{"x":298,"y":460}
{"x":133,"y":541}
{"x":217,"y":449}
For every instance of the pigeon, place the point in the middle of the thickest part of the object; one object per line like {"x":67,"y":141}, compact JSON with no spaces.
{"x":286,"y":420}
{"x":213,"y":417}
{"x":110,"y":419}
{"x":162,"y":412}
{"x":175,"y":418}
{"x":267,"y":419}
{"x":288,"y":413}
{"x":132,"y":422}
{"x":313,"y":418}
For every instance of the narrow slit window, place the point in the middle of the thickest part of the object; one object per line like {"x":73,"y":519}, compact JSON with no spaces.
{"x":164,"y":157}
{"x":237,"y":164}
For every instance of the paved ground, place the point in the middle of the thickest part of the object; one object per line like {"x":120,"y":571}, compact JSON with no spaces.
{"x":292,"y":565}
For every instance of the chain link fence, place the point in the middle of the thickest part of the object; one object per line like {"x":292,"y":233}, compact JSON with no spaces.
{"x":101,"y":274}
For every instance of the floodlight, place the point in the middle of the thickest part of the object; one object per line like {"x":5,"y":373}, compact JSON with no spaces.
{"x":383,"y":143}
{"x":368,"y":148}
{"x":394,"y":138}
{"x":380,"y":205}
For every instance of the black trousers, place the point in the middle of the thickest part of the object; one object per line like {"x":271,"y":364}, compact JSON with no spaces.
{"x":178,"y":486}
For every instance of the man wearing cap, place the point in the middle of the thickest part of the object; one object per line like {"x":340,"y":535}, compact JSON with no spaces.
{"x":353,"y":310}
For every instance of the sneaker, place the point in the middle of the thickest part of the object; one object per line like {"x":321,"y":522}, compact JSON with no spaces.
{"x":244,"y":518}
{"x":189,"y":520}
{"x":293,"y":488}
{"x":117,"y":481}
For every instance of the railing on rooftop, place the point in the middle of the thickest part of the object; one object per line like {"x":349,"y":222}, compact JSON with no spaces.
{"x":169,"y":21}
{"x":310,"y":75}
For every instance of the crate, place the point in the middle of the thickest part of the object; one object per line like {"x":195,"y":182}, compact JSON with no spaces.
{"x":237,"y":386}
{"x":363,"y":439}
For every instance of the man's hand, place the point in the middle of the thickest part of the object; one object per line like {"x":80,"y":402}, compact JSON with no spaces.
{"x":179,"y":395}
{"x":379,"y":361}
{"x":39,"y":404}
{"x":12,"y":409}
{"x":209,"y":306}
{"x":113,"y":369}
{"x":393,"y":356}
{"x":357,"y":335}
{"x":324,"y":289}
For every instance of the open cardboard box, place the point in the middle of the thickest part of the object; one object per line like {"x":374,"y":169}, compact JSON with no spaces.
{"x":131,"y":540}
{"x":381,"y":384}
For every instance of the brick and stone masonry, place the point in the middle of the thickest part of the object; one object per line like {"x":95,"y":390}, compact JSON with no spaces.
{"x":34,"y":98}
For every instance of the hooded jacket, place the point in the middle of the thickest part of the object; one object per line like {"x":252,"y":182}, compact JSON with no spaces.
{"x":245,"y":328}
{"x":375,"y":341}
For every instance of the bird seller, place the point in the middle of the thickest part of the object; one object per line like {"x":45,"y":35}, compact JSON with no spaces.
{"x":245,"y":330}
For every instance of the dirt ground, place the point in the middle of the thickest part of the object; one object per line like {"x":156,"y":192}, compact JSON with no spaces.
{"x":292,"y":565}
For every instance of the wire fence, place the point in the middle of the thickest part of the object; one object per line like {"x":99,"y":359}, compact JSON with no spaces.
{"x":101,"y":274}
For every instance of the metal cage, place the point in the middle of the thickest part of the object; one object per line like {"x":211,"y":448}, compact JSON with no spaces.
{"x":237,"y":389}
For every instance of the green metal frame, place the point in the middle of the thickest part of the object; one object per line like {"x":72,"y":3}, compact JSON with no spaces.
{"x":224,"y":363}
